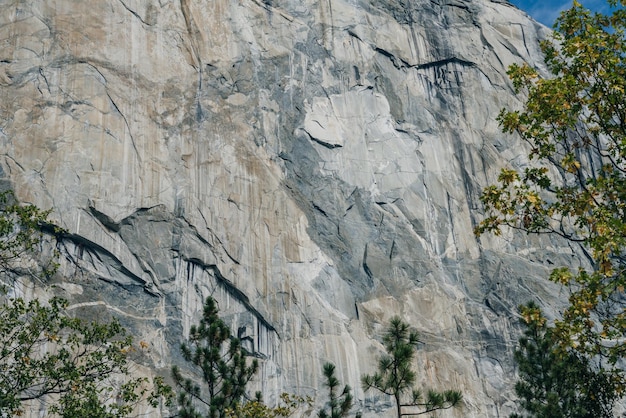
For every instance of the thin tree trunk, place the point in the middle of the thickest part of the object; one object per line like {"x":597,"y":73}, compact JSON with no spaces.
{"x":398,"y":406}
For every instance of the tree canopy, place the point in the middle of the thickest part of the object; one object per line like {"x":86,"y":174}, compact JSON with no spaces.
{"x":71,"y":366}
{"x":48,"y":358}
{"x":574,"y":186}
{"x":256,"y":408}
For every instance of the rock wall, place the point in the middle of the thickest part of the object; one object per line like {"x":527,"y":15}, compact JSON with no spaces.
{"x":314,"y":165}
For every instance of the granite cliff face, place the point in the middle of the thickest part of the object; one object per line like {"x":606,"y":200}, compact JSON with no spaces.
{"x":314,"y":165}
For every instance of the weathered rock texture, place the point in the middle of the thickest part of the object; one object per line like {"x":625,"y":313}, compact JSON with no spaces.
{"x":314,"y":165}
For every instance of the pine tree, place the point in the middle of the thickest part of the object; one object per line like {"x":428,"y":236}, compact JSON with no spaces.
{"x":222,"y":363}
{"x":554,"y":383}
{"x":396,"y":378}
{"x":339,"y":403}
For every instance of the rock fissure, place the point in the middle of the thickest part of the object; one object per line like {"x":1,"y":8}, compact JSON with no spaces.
{"x":128,"y":127}
{"x":134,"y":13}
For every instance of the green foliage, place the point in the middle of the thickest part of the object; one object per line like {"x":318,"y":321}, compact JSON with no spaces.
{"x":221,"y":361}
{"x":43,"y":352}
{"x":63,"y":363}
{"x":575,"y":124}
{"x":339,"y":403}
{"x":557,"y":383}
{"x":20,"y":237}
{"x":257,"y":409}
{"x":396,"y":378}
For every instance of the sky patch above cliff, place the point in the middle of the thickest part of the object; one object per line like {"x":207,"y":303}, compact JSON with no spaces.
{"x":547,"y":11}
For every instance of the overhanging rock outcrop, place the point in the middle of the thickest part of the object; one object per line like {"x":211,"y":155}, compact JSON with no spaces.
{"x":314,"y":165}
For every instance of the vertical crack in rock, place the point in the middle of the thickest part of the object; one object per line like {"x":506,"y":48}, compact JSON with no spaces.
{"x":194,"y":35}
{"x":214,"y":236}
{"x":192,"y":32}
{"x":364,"y":263}
{"x":128,"y":129}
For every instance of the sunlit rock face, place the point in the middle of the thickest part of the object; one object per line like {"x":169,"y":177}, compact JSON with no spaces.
{"x":315,"y":166}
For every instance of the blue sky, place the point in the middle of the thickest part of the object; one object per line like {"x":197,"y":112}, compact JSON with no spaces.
{"x":545,"y":11}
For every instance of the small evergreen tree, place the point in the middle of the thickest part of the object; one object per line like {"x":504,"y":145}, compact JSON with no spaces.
{"x":396,"y":378}
{"x":222,"y":364}
{"x":554,"y":383}
{"x":339,"y":403}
